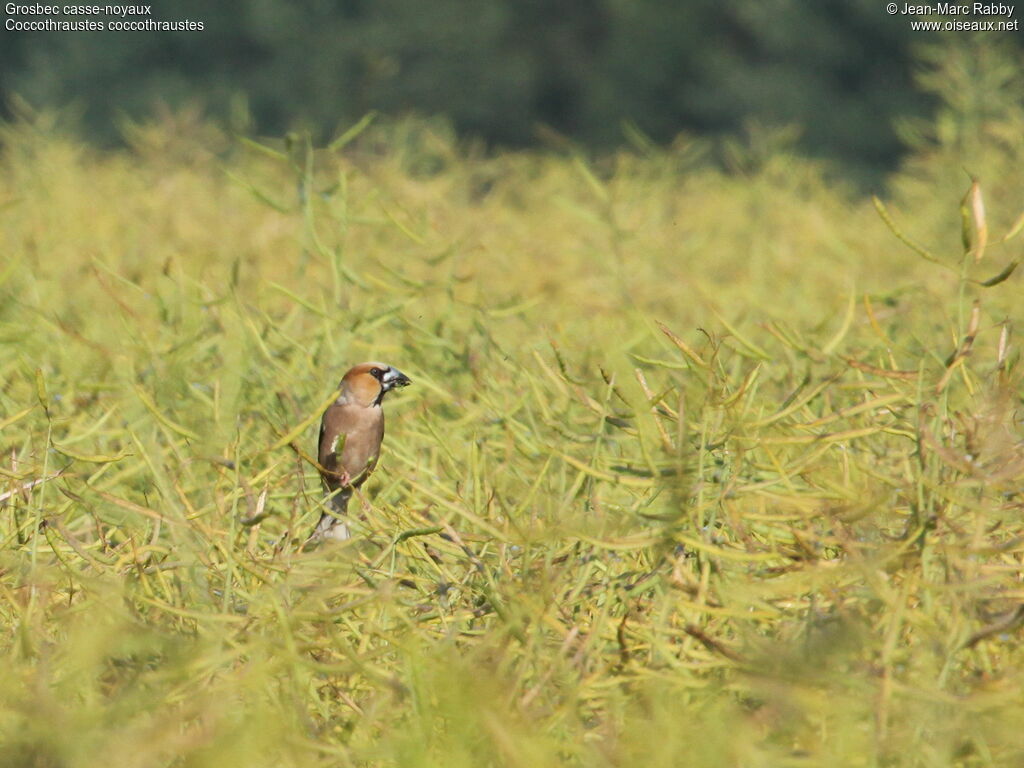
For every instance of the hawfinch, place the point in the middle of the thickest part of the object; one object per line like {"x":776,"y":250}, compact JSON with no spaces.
{"x":350,"y":436}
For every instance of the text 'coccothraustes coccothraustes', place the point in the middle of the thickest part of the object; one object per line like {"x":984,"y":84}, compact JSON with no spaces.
{"x":351,"y":432}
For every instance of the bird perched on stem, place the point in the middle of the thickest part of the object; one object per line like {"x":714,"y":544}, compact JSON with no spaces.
{"x":351,"y":433}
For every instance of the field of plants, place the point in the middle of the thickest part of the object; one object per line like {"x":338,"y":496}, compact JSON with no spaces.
{"x":700,"y":467}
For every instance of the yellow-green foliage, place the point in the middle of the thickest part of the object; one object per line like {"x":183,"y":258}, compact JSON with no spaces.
{"x":697,"y":469}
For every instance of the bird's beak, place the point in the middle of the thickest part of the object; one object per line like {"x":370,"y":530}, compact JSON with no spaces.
{"x":394,"y":378}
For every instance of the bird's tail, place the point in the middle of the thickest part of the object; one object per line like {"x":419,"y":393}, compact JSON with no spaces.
{"x":331,"y":526}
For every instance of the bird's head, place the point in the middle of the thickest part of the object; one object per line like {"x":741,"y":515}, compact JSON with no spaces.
{"x":367,"y":383}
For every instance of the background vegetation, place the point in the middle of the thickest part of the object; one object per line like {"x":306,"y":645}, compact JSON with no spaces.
{"x":511,"y":72}
{"x":698,"y":468}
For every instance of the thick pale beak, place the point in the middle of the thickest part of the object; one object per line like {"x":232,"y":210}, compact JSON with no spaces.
{"x":394,"y":378}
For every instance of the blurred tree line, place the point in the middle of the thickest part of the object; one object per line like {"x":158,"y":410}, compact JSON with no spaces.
{"x":840,"y":69}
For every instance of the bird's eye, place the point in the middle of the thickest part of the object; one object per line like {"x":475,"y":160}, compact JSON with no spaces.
{"x":376,"y":372}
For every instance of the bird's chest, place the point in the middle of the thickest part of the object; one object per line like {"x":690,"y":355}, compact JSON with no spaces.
{"x":359,"y":441}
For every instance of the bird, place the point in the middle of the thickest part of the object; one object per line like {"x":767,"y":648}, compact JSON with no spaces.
{"x":351,"y":433}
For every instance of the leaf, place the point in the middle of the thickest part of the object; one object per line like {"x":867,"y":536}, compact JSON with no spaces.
{"x":601,"y":475}
{"x":352,"y":133}
{"x":965,"y":223}
{"x":885,"y":373}
{"x":1001,"y":276}
{"x":262,"y":148}
{"x":924,"y":253}
{"x":592,"y":181}
{"x":152,"y":408}
{"x":980,"y":224}
{"x":305,"y":423}
{"x":131,"y":506}
{"x":685,"y":348}
{"x":847,"y":321}
{"x":92,"y":458}
{"x":262,"y":197}
{"x":746,"y":343}
{"x":41,"y":394}
{"x":16,"y":417}
{"x":1018,"y":225}
{"x":404,"y":535}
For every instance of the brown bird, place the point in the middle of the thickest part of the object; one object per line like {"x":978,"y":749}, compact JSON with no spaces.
{"x":351,"y":432}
